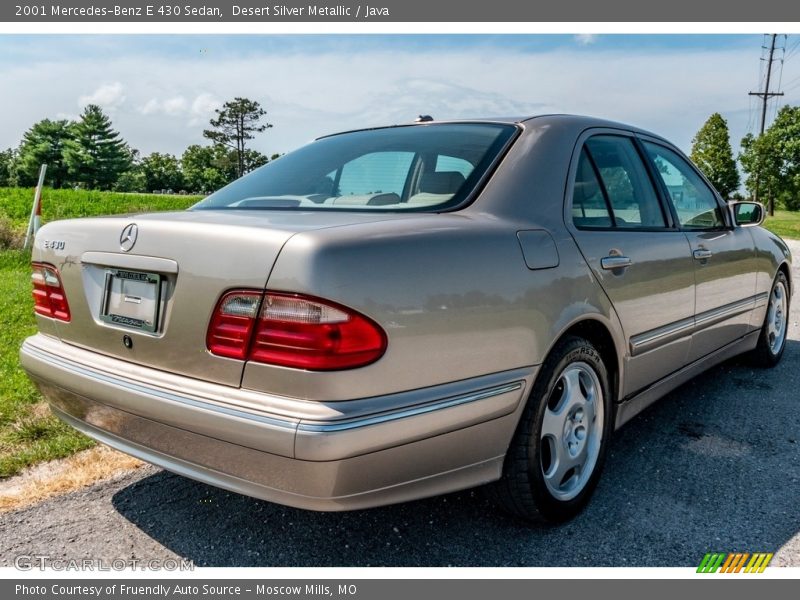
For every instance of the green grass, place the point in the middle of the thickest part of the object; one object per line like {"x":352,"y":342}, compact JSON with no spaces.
{"x":785,"y":223}
{"x":28,"y":432}
{"x":15,"y":203}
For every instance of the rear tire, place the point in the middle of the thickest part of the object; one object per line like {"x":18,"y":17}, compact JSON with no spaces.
{"x":557,"y":453}
{"x":772,"y":340}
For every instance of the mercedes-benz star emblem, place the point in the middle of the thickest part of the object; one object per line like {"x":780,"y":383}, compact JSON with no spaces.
{"x":127,"y":238}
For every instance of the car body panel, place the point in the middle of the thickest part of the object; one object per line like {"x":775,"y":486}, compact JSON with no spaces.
{"x":725,"y":288}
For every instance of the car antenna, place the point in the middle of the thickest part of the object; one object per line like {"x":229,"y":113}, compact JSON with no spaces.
{"x":423,"y":119}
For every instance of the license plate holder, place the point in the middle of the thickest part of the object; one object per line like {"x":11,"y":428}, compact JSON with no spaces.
{"x":132,"y":299}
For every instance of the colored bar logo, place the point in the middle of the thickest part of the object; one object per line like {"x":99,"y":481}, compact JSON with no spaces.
{"x":734,"y":562}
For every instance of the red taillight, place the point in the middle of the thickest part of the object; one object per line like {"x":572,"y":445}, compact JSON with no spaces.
{"x":293,"y":331}
{"x":49,"y":298}
{"x":232,"y":324}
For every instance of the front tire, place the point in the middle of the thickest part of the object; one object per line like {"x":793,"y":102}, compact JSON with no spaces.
{"x":558,"y":450}
{"x":772,"y":340}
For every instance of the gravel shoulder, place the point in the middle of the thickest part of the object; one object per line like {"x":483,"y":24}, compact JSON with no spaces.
{"x":715,"y":466}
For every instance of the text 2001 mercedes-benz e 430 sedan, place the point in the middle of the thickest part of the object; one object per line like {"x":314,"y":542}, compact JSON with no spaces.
{"x":394,"y":313}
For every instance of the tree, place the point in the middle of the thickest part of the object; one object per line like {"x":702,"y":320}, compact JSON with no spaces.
{"x":161,"y":172}
{"x":95,"y":155}
{"x":7,"y":168}
{"x":712,"y":153}
{"x":774,"y":159}
{"x":236,"y":122}
{"x":131,"y":180}
{"x":207,"y":168}
{"x":44,"y":143}
{"x":254,"y":159}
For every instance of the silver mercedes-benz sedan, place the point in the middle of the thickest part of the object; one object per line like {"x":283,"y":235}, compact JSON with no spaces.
{"x":394,"y":313}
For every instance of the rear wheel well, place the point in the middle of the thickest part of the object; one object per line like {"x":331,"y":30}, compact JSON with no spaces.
{"x":600,"y":337}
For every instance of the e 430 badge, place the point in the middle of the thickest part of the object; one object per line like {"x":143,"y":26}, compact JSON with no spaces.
{"x":54,"y":244}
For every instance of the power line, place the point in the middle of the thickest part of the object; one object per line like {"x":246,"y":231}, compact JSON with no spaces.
{"x":765,"y":96}
{"x":790,"y":52}
{"x":777,"y":104}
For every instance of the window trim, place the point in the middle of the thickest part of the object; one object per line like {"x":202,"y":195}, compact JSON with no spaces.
{"x":721,"y":205}
{"x":580,"y":144}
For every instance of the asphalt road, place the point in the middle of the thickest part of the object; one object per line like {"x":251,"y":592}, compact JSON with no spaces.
{"x":715,"y":466}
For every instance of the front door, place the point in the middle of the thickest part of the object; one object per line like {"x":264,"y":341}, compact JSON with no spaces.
{"x":724,"y":256}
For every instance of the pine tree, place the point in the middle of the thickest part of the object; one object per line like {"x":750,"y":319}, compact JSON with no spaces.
{"x":95,"y":155}
{"x":712,"y":153}
{"x":44,"y":143}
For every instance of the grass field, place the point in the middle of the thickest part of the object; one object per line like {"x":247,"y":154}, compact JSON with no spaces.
{"x":15,"y":203}
{"x":785,"y":223}
{"x":28,"y":432}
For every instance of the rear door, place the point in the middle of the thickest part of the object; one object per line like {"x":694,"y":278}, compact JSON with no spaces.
{"x":642,"y":261}
{"x":723,"y":255}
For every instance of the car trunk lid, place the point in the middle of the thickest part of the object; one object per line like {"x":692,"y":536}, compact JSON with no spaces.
{"x":152,"y":304}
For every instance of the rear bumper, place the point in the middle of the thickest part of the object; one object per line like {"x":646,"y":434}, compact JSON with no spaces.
{"x":315,"y":455}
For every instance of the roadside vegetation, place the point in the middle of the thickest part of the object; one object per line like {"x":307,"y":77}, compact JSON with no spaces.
{"x":28,"y":432}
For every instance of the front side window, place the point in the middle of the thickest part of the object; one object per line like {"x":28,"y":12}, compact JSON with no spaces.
{"x":612,"y":187}
{"x":694,"y":203}
{"x":422,"y":168}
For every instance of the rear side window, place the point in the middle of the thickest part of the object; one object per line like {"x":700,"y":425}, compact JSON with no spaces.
{"x":417,"y":168}
{"x":612,"y":188}
{"x":589,"y":207}
{"x":694,"y":203}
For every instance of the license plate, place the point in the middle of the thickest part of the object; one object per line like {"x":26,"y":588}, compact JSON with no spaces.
{"x":132,"y":299}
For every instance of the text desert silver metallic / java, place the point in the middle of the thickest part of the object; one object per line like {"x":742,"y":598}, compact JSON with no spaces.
{"x":399,"y":312}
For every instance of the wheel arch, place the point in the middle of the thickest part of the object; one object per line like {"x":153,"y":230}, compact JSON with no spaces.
{"x":787,"y":271}
{"x":599,"y":333}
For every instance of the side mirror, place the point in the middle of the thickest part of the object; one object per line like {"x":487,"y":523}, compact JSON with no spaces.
{"x":747,"y":214}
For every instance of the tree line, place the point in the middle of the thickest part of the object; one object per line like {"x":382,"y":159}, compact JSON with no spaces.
{"x":90,"y":154}
{"x":770,"y":162}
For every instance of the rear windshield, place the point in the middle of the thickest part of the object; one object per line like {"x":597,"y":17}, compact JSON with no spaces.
{"x":421,"y":167}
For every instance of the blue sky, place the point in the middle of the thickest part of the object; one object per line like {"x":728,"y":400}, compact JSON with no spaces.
{"x":161,"y":90}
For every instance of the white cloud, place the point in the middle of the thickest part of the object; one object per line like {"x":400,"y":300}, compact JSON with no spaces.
{"x":307,"y":94}
{"x":175,"y":105}
{"x":586,"y":39}
{"x":203,"y":108}
{"x":108,"y":96}
{"x":171,"y":106}
{"x":150,"y":107}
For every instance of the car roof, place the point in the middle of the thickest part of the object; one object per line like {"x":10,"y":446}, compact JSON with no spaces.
{"x":579,"y":122}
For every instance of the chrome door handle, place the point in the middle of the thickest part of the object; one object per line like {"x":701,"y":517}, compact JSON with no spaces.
{"x":610,"y":263}
{"x":702,"y":254}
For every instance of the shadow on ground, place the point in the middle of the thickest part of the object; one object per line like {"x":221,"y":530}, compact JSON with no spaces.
{"x":713,"y":466}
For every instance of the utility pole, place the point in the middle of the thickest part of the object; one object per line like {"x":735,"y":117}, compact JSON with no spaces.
{"x":765,"y":96}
